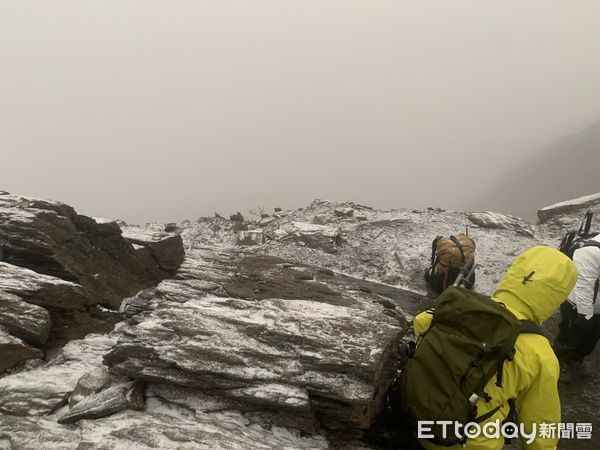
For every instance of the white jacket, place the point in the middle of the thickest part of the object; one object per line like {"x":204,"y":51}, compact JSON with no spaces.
{"x":587,"y":260}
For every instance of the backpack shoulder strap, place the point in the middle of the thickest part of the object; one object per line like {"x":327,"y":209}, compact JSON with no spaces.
{"x":591,"y":243}
{"x":434,"y":249}
{"x":527,"y":326}
{"x":530,"y":327}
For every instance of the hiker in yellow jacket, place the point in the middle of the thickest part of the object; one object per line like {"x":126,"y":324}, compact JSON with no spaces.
{"x":531,"y":377}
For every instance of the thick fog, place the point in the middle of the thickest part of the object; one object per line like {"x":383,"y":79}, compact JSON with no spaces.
{"x":154,"y":110}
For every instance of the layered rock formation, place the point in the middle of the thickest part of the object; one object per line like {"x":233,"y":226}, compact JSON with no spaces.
{"x":275,"y":337}
{"x":51,"y":238}
{"x":58,"y":266}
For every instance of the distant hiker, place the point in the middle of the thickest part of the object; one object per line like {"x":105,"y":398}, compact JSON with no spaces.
{"x":448,"y":256}
{"x":579,"y":330}
{"x":477,"y":356}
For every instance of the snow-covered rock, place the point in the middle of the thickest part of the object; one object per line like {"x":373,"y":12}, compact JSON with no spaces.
{"x":90,"y":383}
{"x":251,"y":237}
{"x":161,"y":426}
{"x":290,"y":343}
{"x":42,"y":290}
{"x":107,"y":402}
{"x":569,"y":207}
{"x":45,"y":388}
{"x":315,"y":236}
{"x":26,"y":321}
{"x":166,"y":248}
{"x":51,"y":238}
{"x":489,"y":219}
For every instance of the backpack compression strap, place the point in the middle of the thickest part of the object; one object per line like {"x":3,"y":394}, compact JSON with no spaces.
{"x":460,"y":248}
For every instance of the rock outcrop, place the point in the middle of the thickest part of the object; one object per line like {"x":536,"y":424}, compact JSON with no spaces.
{"x":269,"y":335}
{"x":569,"y":210}
{"x":489,"y":219}
{"x":57,"y":266}
{"x":51,"y":238}
{"x":166,"y":248}
{"x":42,"y":290}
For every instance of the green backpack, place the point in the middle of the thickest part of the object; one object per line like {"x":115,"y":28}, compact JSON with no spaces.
{"x":467,"y":343}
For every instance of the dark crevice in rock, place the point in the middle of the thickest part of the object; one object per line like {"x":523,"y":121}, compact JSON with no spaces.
{"x":70,"y":325}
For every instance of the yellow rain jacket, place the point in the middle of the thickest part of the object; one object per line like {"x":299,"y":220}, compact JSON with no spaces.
{"x":531,"y":378}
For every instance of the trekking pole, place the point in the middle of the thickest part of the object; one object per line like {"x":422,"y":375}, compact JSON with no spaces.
{"x":465,"y":271}
{"x":588,"y":223}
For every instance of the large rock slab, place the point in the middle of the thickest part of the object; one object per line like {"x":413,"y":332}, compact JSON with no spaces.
{"x":26,"y":321}
{"x":317,"y":351}
{"x":42,"y":290}
{"x":51,"y":238}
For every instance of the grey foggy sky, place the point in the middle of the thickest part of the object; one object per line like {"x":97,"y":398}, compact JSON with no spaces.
{"x":165,"y":110}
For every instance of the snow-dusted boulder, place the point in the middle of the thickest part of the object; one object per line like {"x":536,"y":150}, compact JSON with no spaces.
{"x":488,"y":219}
{"x":321,"y":237}
{"x":166,"y":248}
{"x":570,"y":208}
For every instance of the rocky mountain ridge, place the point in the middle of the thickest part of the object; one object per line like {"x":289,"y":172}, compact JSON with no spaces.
{"x":277,"y":332}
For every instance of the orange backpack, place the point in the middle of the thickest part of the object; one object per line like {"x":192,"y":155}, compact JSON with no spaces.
{"x":448,"y":256}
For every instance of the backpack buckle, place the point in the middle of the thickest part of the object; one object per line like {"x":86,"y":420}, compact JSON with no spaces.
{"x":511,"y":355}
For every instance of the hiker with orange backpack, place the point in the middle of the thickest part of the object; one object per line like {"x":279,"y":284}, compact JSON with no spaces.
{"x":448,"y":256}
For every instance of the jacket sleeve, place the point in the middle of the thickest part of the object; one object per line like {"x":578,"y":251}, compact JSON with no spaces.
{"x":587,"y":260}
{"x":539,"y":404}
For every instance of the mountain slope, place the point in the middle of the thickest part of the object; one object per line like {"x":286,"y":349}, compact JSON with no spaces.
{"x":567,"y":168}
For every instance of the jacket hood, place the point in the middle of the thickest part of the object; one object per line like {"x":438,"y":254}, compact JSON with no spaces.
{"x":537,"y":282}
